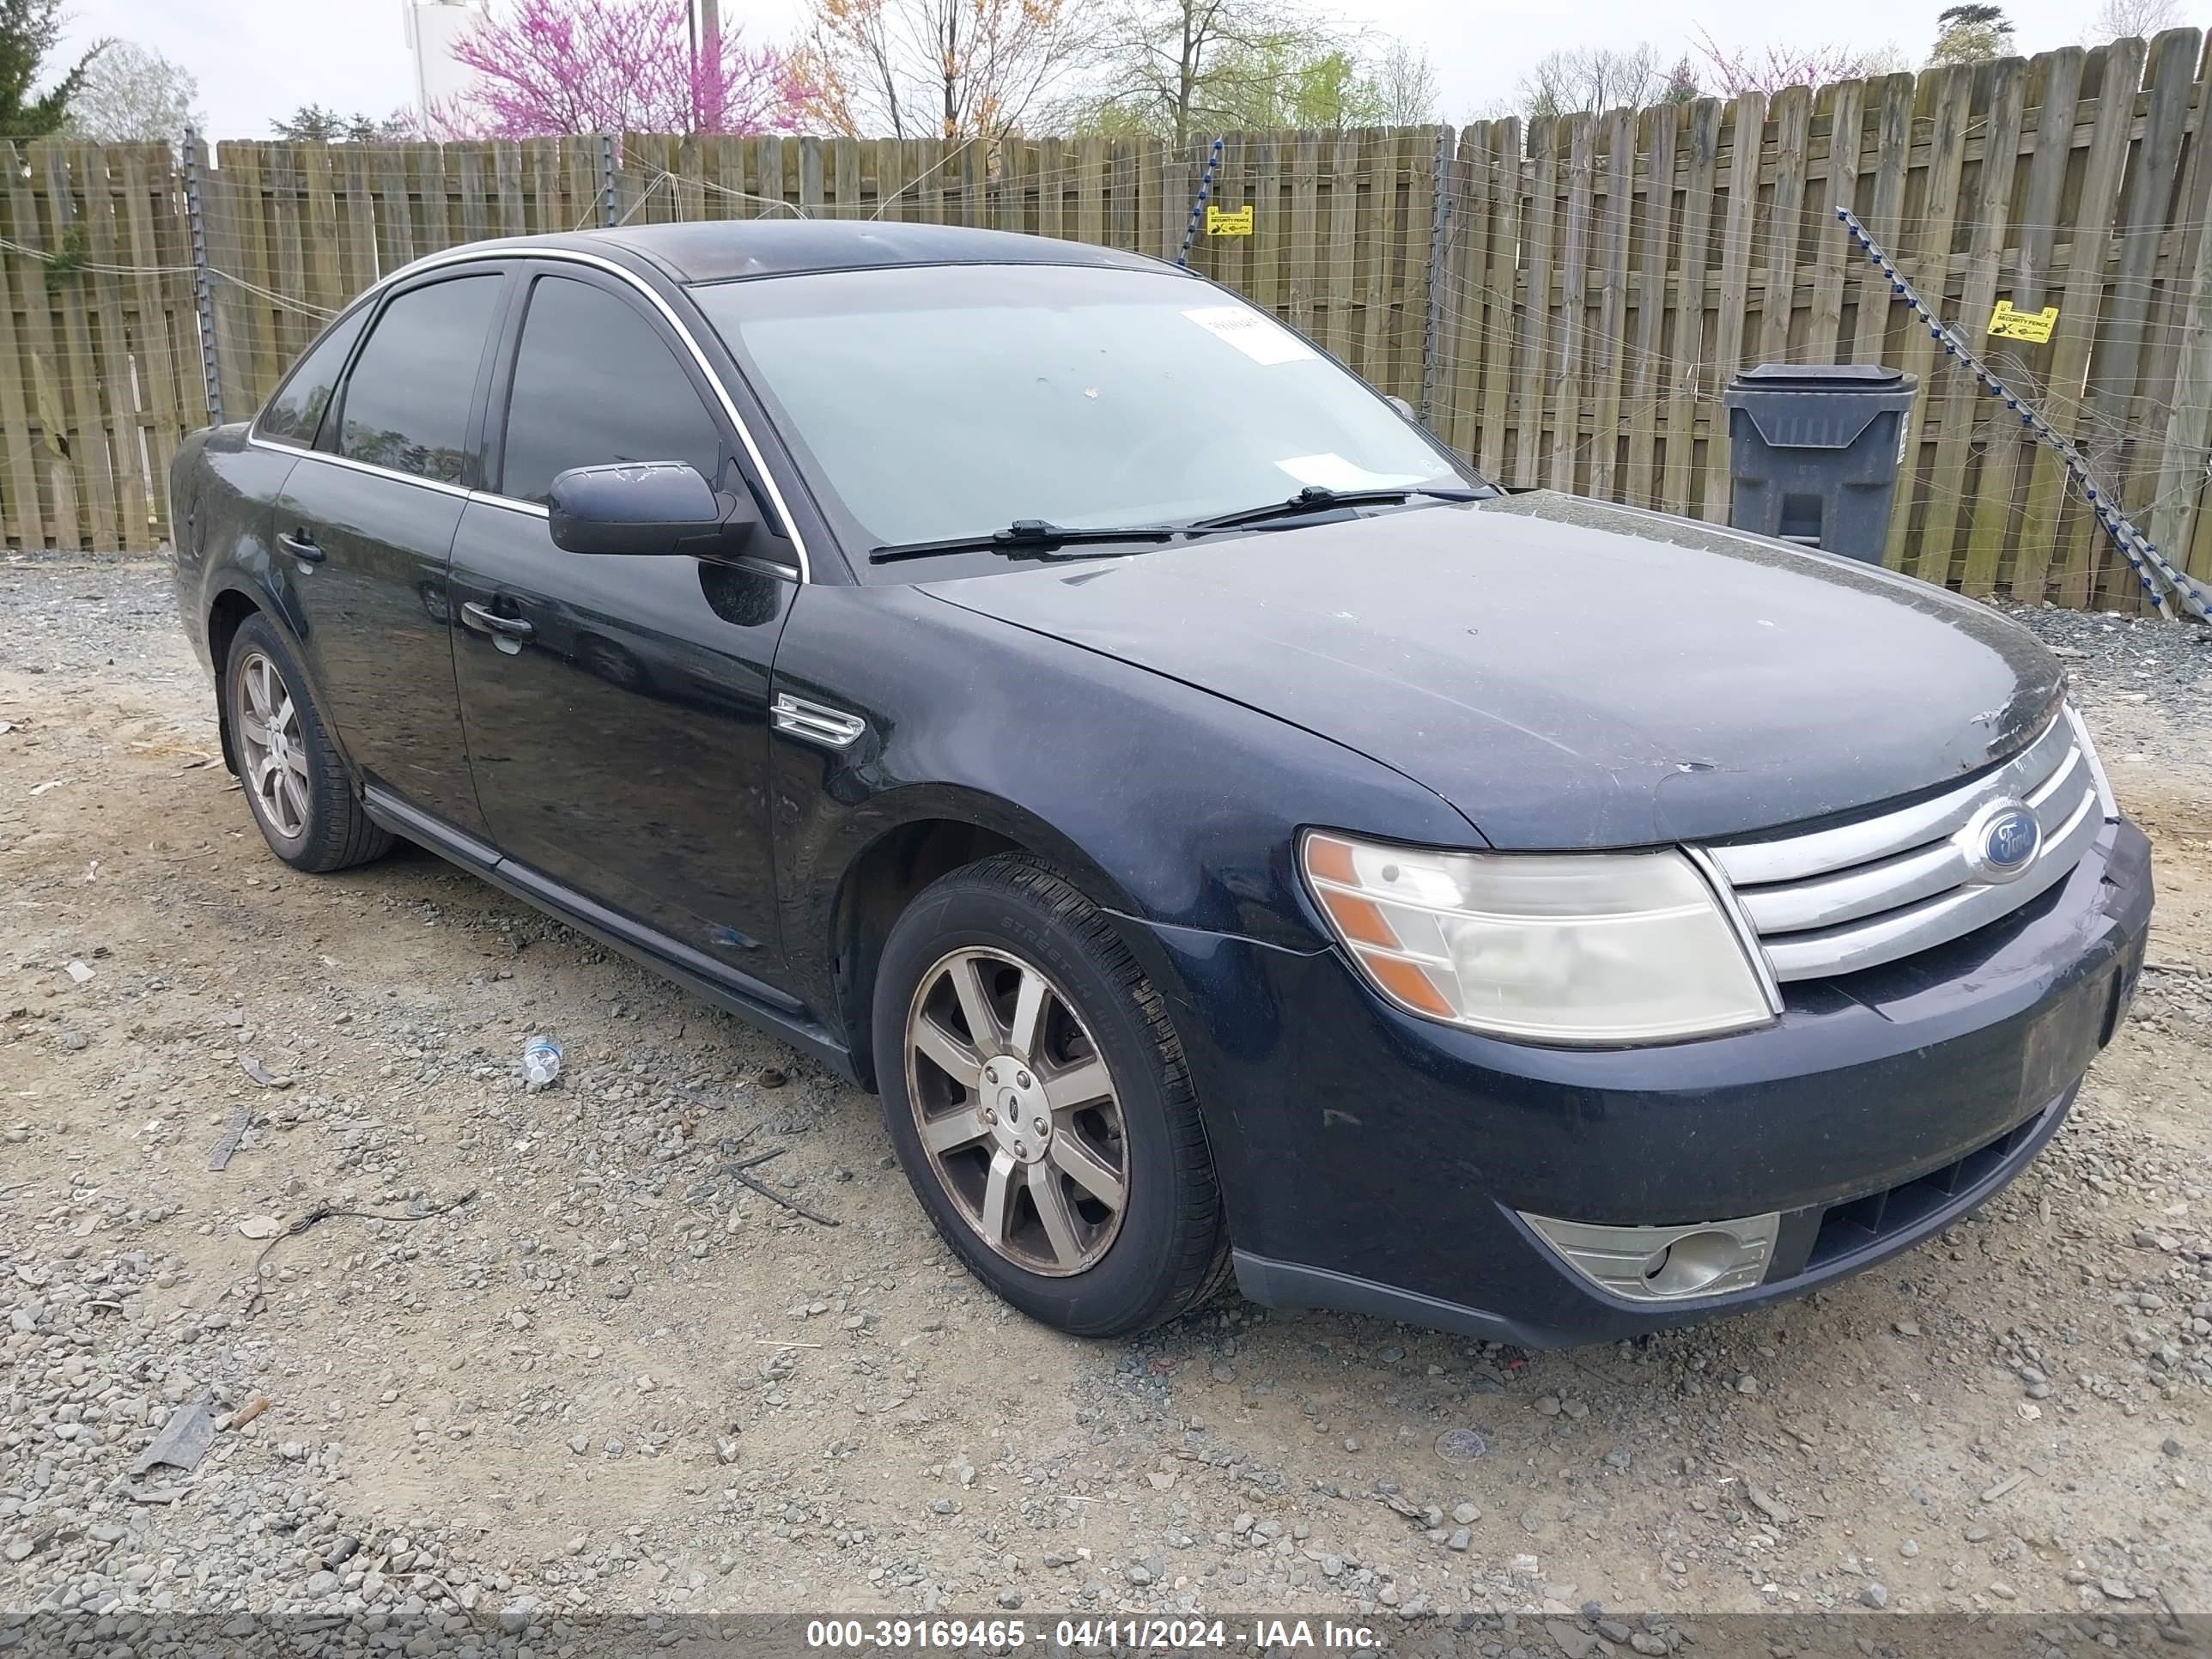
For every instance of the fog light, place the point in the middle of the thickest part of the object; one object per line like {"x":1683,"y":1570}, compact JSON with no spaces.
{"x":1664,"y":1264}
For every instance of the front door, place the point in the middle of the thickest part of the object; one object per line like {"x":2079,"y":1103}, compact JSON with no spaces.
{"x":617,"y":707}
{"x":368,"y":519}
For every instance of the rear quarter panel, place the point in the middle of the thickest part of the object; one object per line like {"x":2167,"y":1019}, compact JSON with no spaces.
{"x":223,"y":492}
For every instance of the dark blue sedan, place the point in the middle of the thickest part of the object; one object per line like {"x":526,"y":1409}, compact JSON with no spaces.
{"x":1229,"y":835}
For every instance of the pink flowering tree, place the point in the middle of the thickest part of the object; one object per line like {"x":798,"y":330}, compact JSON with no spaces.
{"x":1771,"y":69}
{"x":547,"y":67}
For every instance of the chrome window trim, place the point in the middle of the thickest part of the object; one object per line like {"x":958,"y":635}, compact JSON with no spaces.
{"x":511,"y":504}
{"x":466,"y":256}
{"x":369,"y":467}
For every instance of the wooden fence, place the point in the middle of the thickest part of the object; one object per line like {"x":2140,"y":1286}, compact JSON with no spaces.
{"x":1566,"y":300}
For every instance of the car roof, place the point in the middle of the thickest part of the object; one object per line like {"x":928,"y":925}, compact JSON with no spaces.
{"x":721,"y":249}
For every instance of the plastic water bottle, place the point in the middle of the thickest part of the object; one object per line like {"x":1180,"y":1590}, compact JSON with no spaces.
{"x":541,"y":1062}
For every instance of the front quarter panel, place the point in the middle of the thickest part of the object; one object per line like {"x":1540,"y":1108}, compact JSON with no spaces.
{"x":1161,"y":801}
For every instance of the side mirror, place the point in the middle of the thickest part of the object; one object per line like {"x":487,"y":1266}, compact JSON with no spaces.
{"x":645,"y":507}
{"x":1401,"y":405}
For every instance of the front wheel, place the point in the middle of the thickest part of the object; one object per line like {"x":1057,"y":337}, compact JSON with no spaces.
{"x":1036,"y":1096}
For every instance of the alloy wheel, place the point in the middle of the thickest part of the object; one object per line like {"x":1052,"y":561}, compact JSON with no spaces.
{"x":1017,"y":1111}
{"x":270,"y":746}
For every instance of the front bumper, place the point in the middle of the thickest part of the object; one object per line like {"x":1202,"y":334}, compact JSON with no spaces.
{"x":1378,"y":1162}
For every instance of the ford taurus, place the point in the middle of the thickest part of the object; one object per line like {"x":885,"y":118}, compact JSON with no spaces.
{"x":1230,"y":836}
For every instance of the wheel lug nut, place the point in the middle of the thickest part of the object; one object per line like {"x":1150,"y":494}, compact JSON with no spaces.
{"x":1038,"y":1124}
{"x":1020,"y":1150}
{"x":1022,"y":1079}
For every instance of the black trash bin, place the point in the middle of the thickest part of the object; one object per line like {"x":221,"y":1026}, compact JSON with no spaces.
{"x":1814,"y":450}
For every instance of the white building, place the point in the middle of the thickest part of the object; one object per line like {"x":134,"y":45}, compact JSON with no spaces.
{"x":433,"y":26}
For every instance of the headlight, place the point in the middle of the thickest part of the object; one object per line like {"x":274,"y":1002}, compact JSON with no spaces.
{"x":1580,"y":948}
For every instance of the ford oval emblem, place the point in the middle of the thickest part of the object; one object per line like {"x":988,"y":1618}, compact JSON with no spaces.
{"x":2003,"y":840}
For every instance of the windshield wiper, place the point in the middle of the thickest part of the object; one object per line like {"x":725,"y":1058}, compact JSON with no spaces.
{"x":1320,"y":498}
{"x":1027,"y":537}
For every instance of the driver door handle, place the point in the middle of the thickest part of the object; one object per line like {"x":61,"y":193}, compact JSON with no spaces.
{"x":487,"y":621}
{"x":300,"y":547}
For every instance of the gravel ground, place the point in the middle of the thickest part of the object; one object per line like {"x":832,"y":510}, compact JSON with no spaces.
{"x":606,"y":1380}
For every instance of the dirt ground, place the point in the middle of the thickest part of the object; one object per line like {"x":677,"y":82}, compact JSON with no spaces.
{"x":614,"y":1379}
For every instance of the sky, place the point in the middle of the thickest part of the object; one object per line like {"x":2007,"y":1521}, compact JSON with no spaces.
{"x":256,"y":60}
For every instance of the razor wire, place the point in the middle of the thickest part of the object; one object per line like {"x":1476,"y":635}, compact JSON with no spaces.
{"x":2138,"y":548}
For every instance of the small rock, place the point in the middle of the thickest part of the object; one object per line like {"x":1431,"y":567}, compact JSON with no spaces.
{"x":1466,"y":1513}
{"x":2117,"y":1588}
{"x":324,"y":1582}
{"x":2170,"y":1446}
{"x":1873,"y":1596}
{"x":1460,"y":1539}
{"x":260,"y":1226}
{"x":519,"y":1320}
{"x":1141,"y":1574}
{"x":1548,"y":1405}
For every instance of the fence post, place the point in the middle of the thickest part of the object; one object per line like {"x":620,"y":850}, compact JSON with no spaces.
{"x":609,"y":209}
{"x":1439,"y":245}
{"x":202,"y":293}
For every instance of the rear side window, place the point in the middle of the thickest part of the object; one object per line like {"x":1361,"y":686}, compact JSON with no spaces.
{"x":408,"y":399}
{"x":595,"y":382}
{"x":295,"y":412}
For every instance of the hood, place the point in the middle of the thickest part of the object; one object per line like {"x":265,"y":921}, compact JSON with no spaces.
{"x":1567,"y":673}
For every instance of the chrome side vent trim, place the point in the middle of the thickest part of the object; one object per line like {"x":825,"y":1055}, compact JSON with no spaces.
{"x":815,"y":722}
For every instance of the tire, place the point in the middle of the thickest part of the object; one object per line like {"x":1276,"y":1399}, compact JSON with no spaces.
{"x":297,"y":789}
{"x":1096,"y":1100}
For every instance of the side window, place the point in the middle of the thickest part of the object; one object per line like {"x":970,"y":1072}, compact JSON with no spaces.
{"x":408,"y":399}
{"x":296,"y":411}
{"x":594,"y":382}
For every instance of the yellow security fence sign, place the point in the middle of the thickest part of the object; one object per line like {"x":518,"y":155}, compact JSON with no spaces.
{"x":1237,"y":222}
{"x":2033,"y":326}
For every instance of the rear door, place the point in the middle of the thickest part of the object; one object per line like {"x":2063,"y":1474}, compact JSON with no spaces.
{"x":617,"y":707}
{"x":366,"y":519}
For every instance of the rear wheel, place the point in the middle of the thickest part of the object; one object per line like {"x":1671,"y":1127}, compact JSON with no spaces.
{"x":1036,"y":1096}
{"x":293,"y":781}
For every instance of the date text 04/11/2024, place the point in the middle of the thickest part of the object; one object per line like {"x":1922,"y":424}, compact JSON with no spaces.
{"x":1160,"y":1635}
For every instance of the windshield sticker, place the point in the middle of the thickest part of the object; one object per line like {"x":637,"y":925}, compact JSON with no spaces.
{"x":1335,"y":472}
{"x":1261,"y":339}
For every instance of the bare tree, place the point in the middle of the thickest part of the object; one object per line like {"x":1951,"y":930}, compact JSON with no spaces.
{"x":1585,"y":79}
{"x":1176,"y":67}
{"x":2122,"y":20}
{"x":133,"y":95}
{"x":1407,"y":84}
{"x":948,"y":68}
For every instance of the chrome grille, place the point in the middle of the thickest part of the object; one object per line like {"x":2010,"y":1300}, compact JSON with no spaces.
{"x":1879,"y":888}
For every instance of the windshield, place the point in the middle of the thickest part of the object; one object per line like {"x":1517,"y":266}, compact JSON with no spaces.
{"x":947,"y":401}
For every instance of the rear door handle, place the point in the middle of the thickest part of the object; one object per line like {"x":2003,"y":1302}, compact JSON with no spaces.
{"x":487,"y":621}
{"x":300,"y":547}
